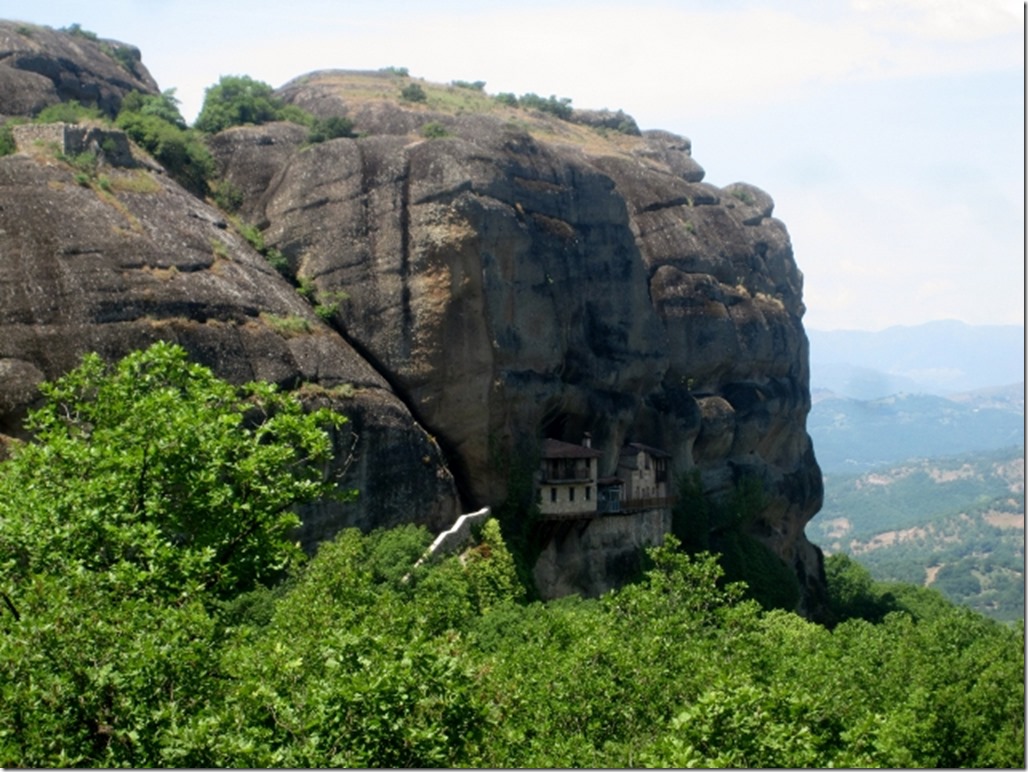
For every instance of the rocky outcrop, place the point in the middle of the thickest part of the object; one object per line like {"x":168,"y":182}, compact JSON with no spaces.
{"x":495,"y":277}
{"x":40,"y":67}
{"x":139,"y":259}
{"x":519,"y":280}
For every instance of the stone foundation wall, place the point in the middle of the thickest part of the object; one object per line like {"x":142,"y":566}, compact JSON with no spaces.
{"x":111,"y":147}
{"x":590,"y":557}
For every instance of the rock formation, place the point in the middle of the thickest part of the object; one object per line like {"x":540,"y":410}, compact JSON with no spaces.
{"x":40,"y":67}
{"x":499,"y":276}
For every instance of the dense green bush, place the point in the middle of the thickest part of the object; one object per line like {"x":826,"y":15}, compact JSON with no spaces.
{"x":559,"y":107}
{"x":333,"y":127}
{"x":68,"y":112}
{"x":238,"y":100}
{"x":155,"y":124}
{"x":413,"y":92}
{"x":7,"y":143}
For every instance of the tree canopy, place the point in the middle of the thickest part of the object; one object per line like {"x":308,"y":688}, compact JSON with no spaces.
{"x":154,"y":614}
{"x":237,"y":100}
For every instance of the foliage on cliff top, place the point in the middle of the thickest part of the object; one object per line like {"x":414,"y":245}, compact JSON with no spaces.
{"x":549,"y":118}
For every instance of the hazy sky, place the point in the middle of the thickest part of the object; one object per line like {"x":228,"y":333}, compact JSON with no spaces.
{"x":890,"y":133}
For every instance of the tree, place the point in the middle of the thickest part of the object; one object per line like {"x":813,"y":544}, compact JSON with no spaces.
{"x":236,"y":100}
{"x":164,"y":478}
{"x":155,"y":124}
{"x":163,"y":106}
{"x":151,"y":491}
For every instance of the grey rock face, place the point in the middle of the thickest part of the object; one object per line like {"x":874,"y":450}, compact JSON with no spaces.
{"x":514,"y":278}
{"x":515,"y":287}
{"x":146,"y":261}
{"x":40,"y":66}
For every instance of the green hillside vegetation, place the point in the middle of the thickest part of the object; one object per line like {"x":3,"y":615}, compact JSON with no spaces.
{"x":955,"y":524}
{"x":153,"y":613}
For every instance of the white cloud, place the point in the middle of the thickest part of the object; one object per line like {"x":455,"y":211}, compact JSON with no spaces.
{"x":957,"y":20}
{"x":644,"y":55}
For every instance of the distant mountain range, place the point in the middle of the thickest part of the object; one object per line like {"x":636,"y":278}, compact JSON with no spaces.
{"x":855,"y":435}
{"x":934,"y":390}
{"x":943,"y":358}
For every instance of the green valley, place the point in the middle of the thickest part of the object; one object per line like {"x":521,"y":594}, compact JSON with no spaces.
{"x":955,"y":524}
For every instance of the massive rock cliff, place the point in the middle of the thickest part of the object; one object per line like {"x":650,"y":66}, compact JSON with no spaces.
{"x":499,"y":276}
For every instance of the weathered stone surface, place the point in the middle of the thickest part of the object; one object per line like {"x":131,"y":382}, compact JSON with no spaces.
{"x":146,"y":261}
{"x":520,"y":277}
{"x":519,"y":287}
{"x":40,"y":66}
{"x":590,"y":557}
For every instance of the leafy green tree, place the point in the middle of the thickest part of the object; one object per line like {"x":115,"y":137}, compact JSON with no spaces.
{"x":163,"y":106}
{"x":157,"y":474}
{"x":236,"y":100}
{"x":345,"y":675}
{"x":155,"y":124}
{"x":852,"y":592}
{"x":93,"y":675}
{"x":492,"y":575}
{"x":150,"y":493}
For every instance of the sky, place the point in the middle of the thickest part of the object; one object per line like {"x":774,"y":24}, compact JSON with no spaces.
{"x":890,"y":133}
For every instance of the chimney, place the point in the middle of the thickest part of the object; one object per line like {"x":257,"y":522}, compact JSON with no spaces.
{"x":587,"y":440}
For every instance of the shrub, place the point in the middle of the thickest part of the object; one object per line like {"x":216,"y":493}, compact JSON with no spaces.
{"x":507,"y":98}
{"x":7,"y":143}
{"x":68,"y":112}
{"x":226,"y":195}
{"x":333,"y":127}
{"x":478,"y":85}
{"x":75,"y":30}
{"x":163,"y":106}
{"x":155,"y":124}
{"x":290,"y":326}
{"x":559,"y":107}
{"x":434,"y":130}
{"x":412,"y":92}
{"x":236,"y":100}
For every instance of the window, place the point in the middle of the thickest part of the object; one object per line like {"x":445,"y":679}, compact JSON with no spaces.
{"x":553,"y":494}
{"x":588,"y":494}
{"x":571,"y":493}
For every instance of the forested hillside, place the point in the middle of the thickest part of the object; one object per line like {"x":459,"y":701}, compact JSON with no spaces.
{"x":138,"y":631}
{"x":955,"y":524}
